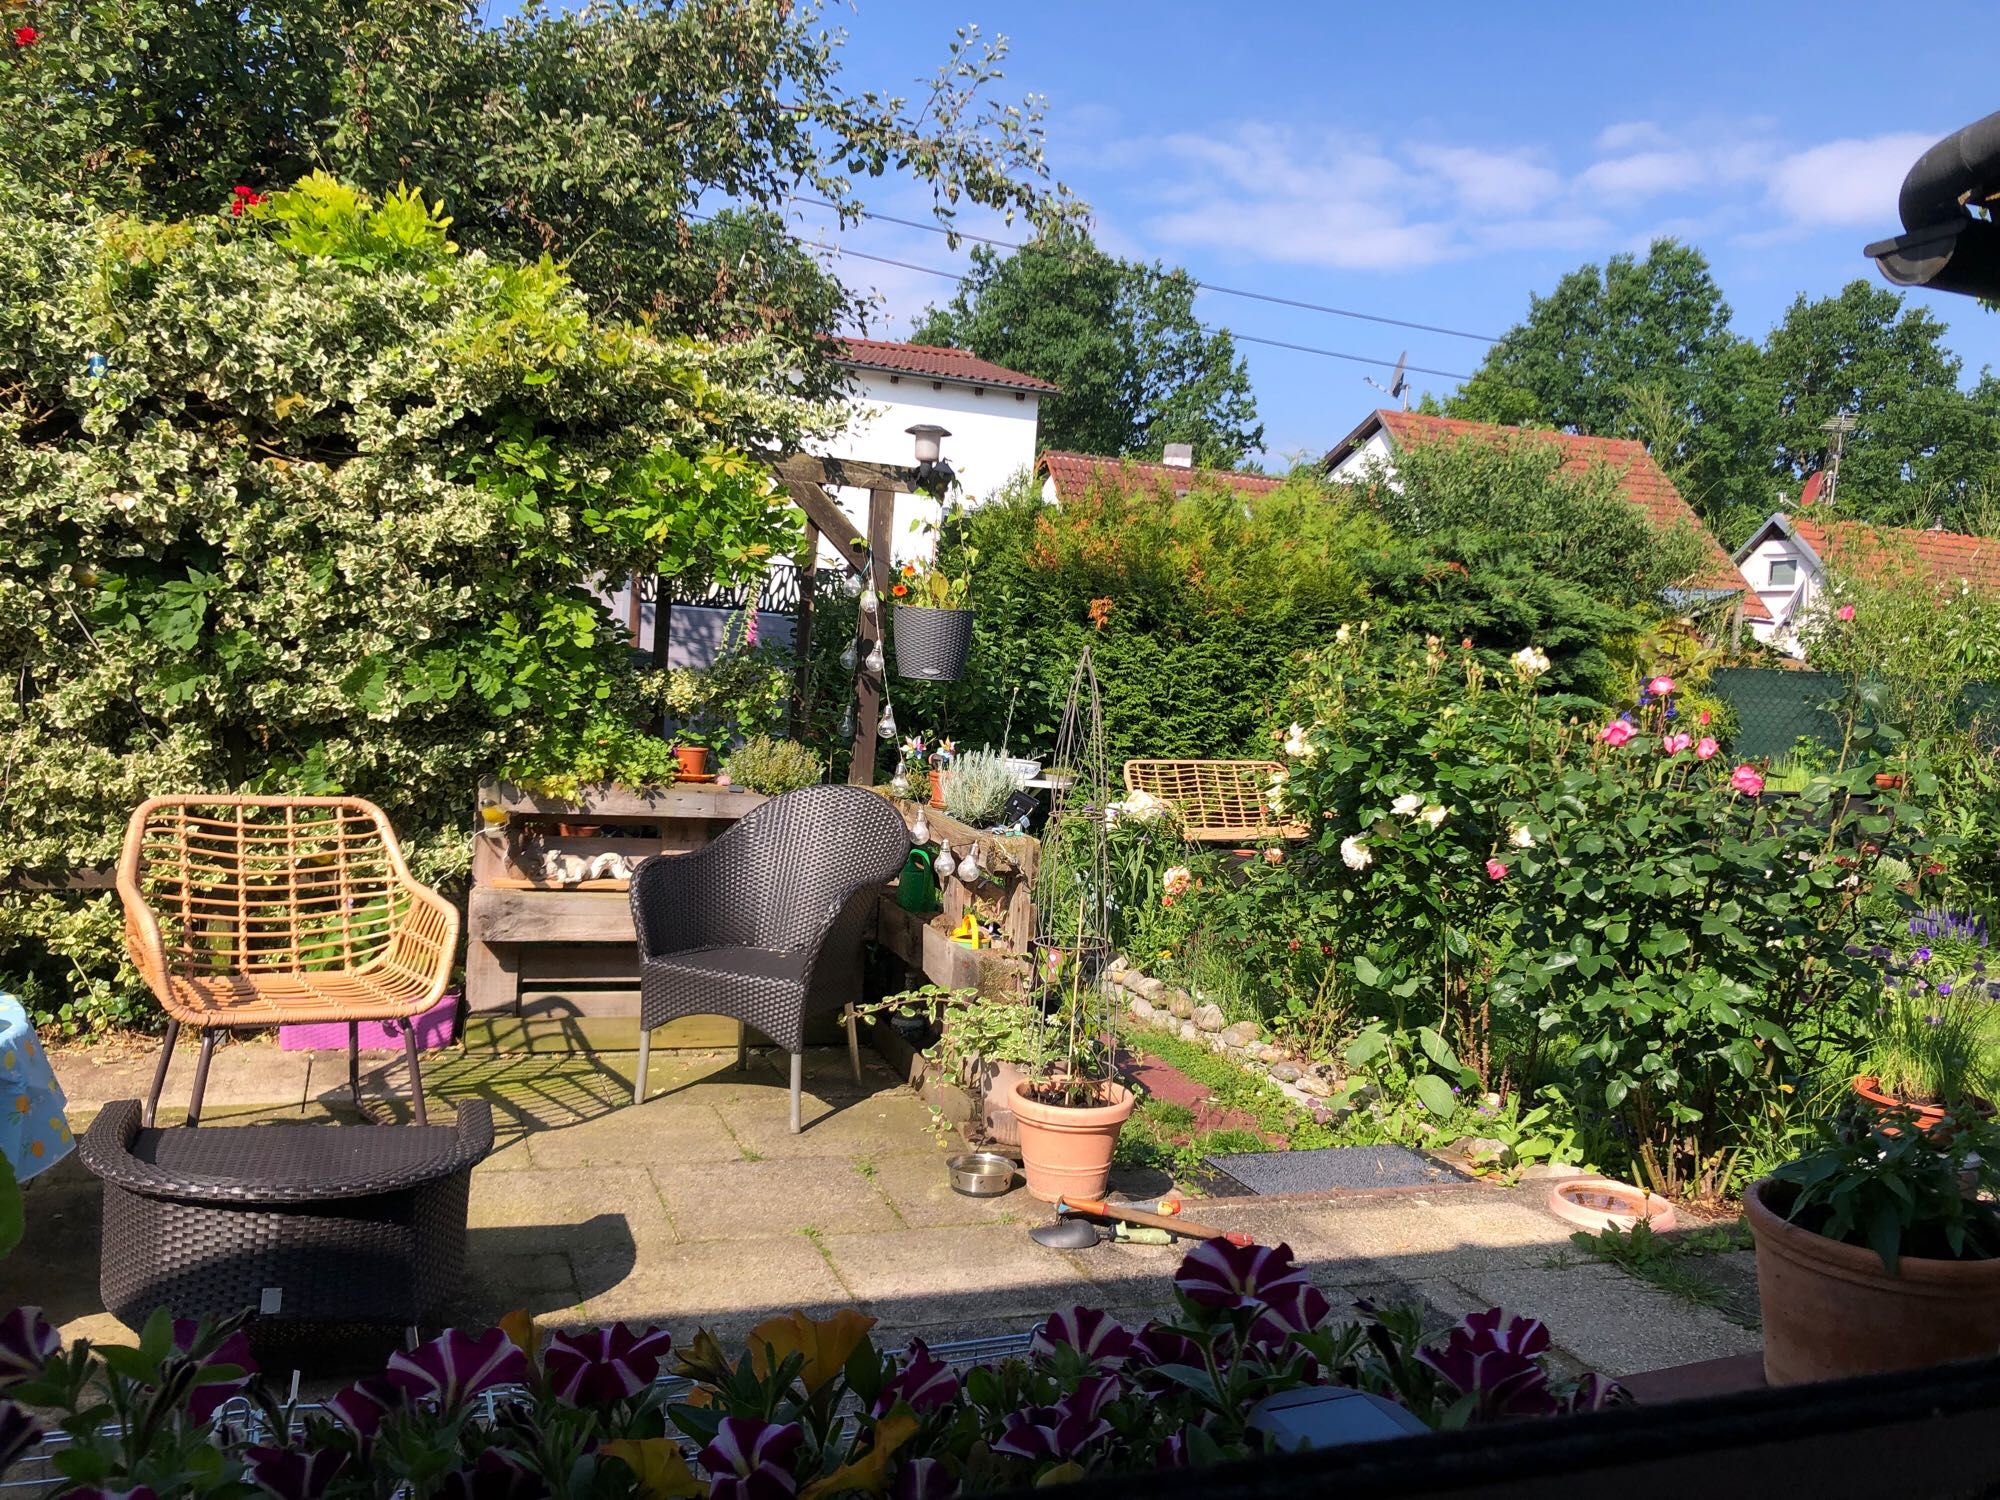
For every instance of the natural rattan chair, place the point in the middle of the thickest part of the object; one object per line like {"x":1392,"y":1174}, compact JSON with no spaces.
{"x":765,"y":925}
{"x":266,"y":911}
{"x":1219,"y":801}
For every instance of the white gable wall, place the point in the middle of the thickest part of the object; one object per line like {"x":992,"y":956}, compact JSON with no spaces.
{"x":1364,"y":460}
{"x":1782,"y":572}
{"x":992,"y":440}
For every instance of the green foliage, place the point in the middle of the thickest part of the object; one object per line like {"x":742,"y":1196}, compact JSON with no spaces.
{"x":774,"y":766}
{"x":979,"y":786}
{"x":1503,"y":544}
{"x":1671,"y":1263}
{"x":1931,"y":1047}
{"x":1192,"y":608}
{"x":304,"y":500}
{"x":590,"y":135}
{"x":1881,"y":1181}
{"x":1121,"y":339}
{"x":1489,"y":867}
{"x":1643,"y":349}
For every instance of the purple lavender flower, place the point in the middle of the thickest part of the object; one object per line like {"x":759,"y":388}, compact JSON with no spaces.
{"x":1921,"y":956}
{"x":1944,"y":987}
{"x":1934,"y":1020}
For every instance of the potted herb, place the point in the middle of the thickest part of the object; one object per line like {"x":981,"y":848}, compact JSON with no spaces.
{"x":932,"y":621}
{"x":1876,"y":1250}
{"x":1932,"y":1050}
{"x":1072,"y":1108}
{"x":773,"y":766}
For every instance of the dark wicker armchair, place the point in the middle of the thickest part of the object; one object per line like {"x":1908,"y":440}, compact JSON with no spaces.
{"x":765,"y":925}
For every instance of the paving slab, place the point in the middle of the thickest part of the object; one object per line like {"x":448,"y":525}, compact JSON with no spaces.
{"x":558,"y":1210}
{"x":1610,"y":1322}
{"x":722,"y":1286}
{"x":752,"y":1200}
{"x":918,"y":1188}
{"x":240,"y":1073}
{"x":842,"y":1128}
{"x":945,"y":1279}
{"x":664,"y":1133}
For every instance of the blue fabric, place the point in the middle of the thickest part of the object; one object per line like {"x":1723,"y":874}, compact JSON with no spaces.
{"x":34,"y":1130}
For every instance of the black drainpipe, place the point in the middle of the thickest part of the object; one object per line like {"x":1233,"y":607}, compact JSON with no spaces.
{"x":1944,"y":247}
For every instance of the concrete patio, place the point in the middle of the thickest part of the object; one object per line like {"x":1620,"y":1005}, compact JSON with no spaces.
{"x":699,"y":1208}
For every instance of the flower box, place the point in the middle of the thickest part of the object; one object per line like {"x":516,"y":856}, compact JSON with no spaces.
{"x":436,"y":1027}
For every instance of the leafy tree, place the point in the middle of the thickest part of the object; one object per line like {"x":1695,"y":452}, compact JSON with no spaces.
{"x":1505,"y":545}
{"x":588,"y":135}
{"x":305,"y":500}
{"x":1629,"y":349}
{"x":1136,"y":367}
{"x":1921,"y":447}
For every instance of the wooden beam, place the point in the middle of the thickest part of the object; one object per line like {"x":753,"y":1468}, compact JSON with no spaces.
{"x":843,"y":473}
{"x":868,"y":686}
{"x":802,"y":634}
{"x":834,"y":523}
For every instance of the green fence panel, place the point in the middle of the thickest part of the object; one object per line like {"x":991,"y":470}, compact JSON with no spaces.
{"x":1775,"y":709}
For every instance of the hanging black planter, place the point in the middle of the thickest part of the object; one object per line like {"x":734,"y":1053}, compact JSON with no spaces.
{"x":931,"y":644}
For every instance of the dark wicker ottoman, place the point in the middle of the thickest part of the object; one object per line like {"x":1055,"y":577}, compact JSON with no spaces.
{"x":303,"y":1224}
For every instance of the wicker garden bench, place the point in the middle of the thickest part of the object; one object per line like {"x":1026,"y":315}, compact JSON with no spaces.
{"x":304,"y":1223}
{"x":1219,"y":801}
{"x":268,"y":911}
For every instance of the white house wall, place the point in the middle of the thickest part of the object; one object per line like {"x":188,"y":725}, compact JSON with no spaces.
{"x":992,"y":440}
{"x":1787,"y":602}
{"x":1364,"y":460}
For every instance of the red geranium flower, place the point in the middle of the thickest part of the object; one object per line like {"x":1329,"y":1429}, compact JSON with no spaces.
{"x":26,"y":36}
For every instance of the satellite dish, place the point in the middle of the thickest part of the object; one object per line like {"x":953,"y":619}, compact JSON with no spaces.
{"x":1398,"y":388}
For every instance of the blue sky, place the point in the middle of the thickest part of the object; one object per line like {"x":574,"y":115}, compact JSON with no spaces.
{"x":1438,"y":162}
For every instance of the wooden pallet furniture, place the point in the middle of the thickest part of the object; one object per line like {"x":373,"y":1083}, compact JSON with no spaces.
{"x":1219,"y":801}
{"x":248,"y":912}
{"x":550,"y":968}
{"x":1004,"y":894}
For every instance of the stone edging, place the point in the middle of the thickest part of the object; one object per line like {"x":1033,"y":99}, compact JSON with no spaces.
{"x":1316,"y":1087}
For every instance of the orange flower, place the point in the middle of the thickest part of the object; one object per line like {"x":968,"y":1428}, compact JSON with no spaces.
{"x":900,"y":589}
{"x":909,"y":570}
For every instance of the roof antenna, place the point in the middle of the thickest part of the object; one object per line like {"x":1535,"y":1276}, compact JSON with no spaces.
{"x":1836,"y":426}
{"x":1398,"y":388}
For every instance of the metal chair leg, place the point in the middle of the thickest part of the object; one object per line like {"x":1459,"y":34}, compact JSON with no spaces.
{"x":798,"y":1081}
{"x":416,"y":1072}
{"x":742,"y":1048}
{"x":854,"y":1045}
{"x":645,"y":1057}
{"x":160,"y":1072}
{"x":201,"y":1076}
{"x":354,"y":1066}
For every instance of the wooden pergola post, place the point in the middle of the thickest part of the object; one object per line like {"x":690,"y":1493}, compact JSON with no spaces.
{"x":868,"y":687}
{"x":802,"y":633}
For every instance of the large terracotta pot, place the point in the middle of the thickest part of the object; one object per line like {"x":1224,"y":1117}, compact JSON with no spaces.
{"x":1928,"y":1116}
{"x":1066,"y":1151}
{"x":692,"y":761}
{"x":1831,"y":1311}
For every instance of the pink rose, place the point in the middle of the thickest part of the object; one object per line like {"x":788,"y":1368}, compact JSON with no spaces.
{"x":1703,"y":717}
{"x":1746,"y":780}
{"x":1617,"y":732}
{"x":1659,"y":687}
{"x":1845,"y":612}
{"x":1673,"y":744}
{"x":1707,"y":748}
{"x":1495,"y":870}
{"x":1274,"y":856}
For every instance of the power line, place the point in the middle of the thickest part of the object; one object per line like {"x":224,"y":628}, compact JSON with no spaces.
{"x":1247,"y":338}
{"x":1204,"y":286}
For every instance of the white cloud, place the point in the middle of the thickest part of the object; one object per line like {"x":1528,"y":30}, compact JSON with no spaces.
{"x":1643,"y":174}
{"x":1846,"y":181}
{"x":1632,"y":135}
{"x":1495,"y":182}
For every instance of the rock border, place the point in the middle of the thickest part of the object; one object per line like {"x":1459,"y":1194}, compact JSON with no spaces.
{"x":1317,"y":1087}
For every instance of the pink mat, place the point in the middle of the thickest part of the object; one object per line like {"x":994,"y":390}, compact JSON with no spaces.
{"x":436,"y":1027}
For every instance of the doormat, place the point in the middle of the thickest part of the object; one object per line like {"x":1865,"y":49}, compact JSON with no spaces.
{"x":1331,"y":1168}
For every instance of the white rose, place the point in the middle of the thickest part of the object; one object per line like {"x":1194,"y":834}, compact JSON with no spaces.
{"x":1520,"y":837}
{"x":1342,"y":635}
{"x":1296,"y":744}
{"x":1354,"y":854}
{"x":1434,"y":815}
{"x":1406,"y":805}
{"x":1529,"y":663}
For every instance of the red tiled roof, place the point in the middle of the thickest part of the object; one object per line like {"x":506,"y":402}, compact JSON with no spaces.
{"x":1077,"y":472}
{"x":933,"y":362}
{"x":1641,"y":480}
{"x":1950,"y":557}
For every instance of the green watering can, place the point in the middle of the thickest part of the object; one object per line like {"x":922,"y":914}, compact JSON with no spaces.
{"x":916,"y":887}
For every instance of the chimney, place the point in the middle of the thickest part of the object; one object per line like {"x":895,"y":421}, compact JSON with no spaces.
{"x":1178,"y":456}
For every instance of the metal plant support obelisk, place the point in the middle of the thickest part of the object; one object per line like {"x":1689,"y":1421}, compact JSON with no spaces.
{"x":1072,"y":897}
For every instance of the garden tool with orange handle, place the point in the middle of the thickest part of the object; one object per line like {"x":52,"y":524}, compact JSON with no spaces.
{"x":1173,"y":1223}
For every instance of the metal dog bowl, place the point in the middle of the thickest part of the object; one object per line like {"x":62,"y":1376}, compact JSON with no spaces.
{"x":981,"y":1174}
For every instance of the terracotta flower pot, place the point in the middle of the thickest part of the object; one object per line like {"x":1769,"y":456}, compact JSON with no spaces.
{"x":1066,"y":1150}
{"x":692,"y":760}
{"x":1929,"y":1116}
{"x":937,"y":786}
{"x":1831,"y":1311}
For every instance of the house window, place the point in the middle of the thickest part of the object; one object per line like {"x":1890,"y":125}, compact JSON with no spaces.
{"x":1784,"y":572}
